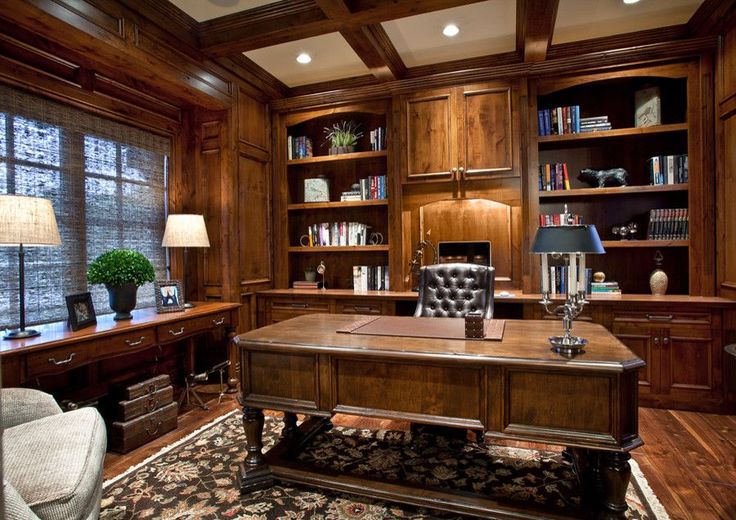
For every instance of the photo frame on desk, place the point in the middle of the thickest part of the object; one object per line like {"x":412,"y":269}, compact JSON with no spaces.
{"x":168,"y":295}
{"x":81,"y":311}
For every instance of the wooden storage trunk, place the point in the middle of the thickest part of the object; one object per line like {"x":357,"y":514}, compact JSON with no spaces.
{"x":128,"y":410}
{"x":128,"y":435}
{"x":149,"y":386}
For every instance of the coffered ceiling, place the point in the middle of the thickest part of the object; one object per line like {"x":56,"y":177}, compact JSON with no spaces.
{"x":385,"y":40}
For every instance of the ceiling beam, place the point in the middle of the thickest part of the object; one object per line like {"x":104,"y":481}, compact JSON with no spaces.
{"x":535,"y":23}
{"x":291,"y":20}
{"x":370,"y":43}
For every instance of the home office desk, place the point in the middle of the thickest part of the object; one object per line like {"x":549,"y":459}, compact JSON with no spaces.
{"x":59,"y":349}
{"x":517,"y":388}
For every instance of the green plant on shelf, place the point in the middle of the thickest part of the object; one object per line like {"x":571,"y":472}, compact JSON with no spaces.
{"x":343,"y":136}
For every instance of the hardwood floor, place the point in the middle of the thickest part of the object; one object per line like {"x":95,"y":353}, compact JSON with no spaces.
{"x":688,"y":458}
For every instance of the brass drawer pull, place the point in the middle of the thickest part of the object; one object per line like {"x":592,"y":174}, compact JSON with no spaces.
{"x":135,"y":343}
{"x":178,"y":332}
{"x":219,"y":322}
{"x":63,"y":361}
{"x":363,"y":308}
{"x":155,"y":429}
{"x":660,"y":317}
{"x":300,"y":305}
{"x":152,"y":404}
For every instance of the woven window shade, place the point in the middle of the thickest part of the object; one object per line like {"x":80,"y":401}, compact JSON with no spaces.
{"x":107,"y":184}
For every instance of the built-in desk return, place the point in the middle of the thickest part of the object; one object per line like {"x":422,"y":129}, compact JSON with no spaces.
{"x":464,"y":251}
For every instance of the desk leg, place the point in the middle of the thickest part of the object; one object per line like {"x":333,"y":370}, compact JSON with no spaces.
{"x":254,"y":473}
{"x":233,"y":372}
{"x":615,"y":475}
{"x":290,"y":430}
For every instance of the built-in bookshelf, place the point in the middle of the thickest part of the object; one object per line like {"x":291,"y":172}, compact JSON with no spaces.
{"x":612,"y":97}
{"x":340,"y":233}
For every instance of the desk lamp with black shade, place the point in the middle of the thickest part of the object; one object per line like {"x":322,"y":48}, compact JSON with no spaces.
{"x":26,"y":222}
{"x":572,"y":243}
{"x":185,"y":231}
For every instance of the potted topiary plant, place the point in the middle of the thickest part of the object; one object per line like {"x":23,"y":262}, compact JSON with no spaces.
{"x":343,"y":136}
{"x":121,"y":271}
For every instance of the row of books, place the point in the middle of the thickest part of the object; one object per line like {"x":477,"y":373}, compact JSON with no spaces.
{"x":605,"y":288}
{"x":372,"y":187}
{"x":298,"y":147}
{"x":558,"y":121}
{"x":337,"y":234}
{"x":668,"y":224}
{"x":553,"y":177}
{"x":558,"y":277}
{"x":668,"y":169}
{"x":370,"y":278}
{"x":378,"y":139}
{"x":557,"y":219}
{"x":594,"y":124}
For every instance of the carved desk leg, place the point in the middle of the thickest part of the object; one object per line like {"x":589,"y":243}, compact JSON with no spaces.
{"x":233,"y":372}
{"x":254,"y":473}
{"x":290,"y":430}
{"x":615,"y":475}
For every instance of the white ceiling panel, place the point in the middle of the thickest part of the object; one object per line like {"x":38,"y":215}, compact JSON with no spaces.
{"x":332,"y":58}
{"x":585,"y":19}
{"x":203,"y":10}
{"x":485,"y":28}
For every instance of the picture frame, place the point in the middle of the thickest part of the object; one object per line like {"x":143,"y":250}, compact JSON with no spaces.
{"x":81,"y":311}
{"x":168,"y":295}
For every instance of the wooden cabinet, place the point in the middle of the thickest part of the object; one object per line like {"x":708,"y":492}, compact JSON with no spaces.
{"x":682,"y":352}
{"x":459,"y":133}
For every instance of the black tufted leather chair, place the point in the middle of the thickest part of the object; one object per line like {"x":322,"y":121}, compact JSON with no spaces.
{"x":453,"y":290}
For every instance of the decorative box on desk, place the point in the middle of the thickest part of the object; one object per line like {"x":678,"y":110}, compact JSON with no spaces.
{"x":146,"y":412}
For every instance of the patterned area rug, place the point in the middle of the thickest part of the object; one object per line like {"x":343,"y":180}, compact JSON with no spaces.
{"x":194,"y":478}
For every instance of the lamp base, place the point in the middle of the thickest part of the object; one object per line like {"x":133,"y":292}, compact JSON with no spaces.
{"x":188,"y":305}
{"x":21,"y":334}
{"x":568,"y":345}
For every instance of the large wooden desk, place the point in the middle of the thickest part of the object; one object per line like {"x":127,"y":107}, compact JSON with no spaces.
{"x":58,"y":349}
{"x":515,"y":389}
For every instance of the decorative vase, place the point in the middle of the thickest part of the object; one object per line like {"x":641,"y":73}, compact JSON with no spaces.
{"x":658,"y":280}
{"x":336,"y":150}
{"x":122,"y":300}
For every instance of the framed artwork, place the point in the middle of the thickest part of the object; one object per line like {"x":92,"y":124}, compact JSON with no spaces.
{"x":81,"y":310}
{"x":168,"y":295}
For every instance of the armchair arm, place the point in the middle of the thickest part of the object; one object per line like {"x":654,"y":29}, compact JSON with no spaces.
{"x":14,"y":507}
{"x":21,"y":405}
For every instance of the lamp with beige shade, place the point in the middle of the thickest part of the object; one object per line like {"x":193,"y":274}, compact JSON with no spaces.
{"x":26,"y":222}
{"x":185,"y":231}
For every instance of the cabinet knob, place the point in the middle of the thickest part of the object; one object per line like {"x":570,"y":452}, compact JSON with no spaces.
{"x":656,"y":341}
{"x":454,"y":170}
{"x":461,"y":170}
{"x":666,"y":341}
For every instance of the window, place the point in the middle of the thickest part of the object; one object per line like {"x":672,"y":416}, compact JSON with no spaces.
{"x":107,"y":183}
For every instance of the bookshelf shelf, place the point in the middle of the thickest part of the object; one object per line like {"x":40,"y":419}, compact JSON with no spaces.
{"x":337,"y":204}
{"x":340,"y":157}
{"x":621,"y":244}
{"x":605,"y":192}
{"x":607,"y":134}
{"x":337,"y":249}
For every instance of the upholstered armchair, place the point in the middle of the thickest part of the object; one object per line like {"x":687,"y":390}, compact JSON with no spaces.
{"x":454,"y":290}
{"x":52,"y":461}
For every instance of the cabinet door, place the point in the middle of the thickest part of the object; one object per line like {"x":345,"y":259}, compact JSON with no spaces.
{"x":486,"y":131}
{"x":644,"y":341}
{"x":689,"y":363}
{"x":430,"y":134}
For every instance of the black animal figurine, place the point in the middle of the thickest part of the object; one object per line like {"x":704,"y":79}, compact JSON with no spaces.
{"x":601,"y":178}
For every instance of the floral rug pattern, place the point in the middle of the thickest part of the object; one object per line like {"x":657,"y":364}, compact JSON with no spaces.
{"x":196,"y":480}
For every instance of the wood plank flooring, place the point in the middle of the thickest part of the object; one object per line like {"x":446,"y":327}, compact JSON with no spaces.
{"x":688,"y":458}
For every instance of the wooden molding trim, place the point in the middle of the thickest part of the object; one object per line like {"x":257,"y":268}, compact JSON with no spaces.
{"x":711,"y":17}
{"x":535,"y":23}
{"x":291,"y":20}
{"x":641,"y":53}
{"x":618,"y":41}
{"x":250,"y":72}
{"x":340,"y":84}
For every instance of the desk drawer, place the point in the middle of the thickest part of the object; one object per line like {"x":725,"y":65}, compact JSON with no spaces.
{"x":185,"y":328}
{"x":284,"y":309}
{"x":57,"y":360}
{"x":126,"y":343}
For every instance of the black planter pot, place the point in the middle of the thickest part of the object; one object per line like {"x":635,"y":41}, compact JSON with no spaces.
{"x":122,"y":300}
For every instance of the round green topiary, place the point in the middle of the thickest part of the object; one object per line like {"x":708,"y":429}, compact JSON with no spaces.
{"x":120,"y":267}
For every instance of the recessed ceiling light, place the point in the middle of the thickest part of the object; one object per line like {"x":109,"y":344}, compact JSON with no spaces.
{"x":630,"y":1}
{"x":450,"y":30}
{"x":304,"y":58}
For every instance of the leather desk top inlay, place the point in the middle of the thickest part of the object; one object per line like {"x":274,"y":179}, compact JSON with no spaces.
{"x":407,"y":326}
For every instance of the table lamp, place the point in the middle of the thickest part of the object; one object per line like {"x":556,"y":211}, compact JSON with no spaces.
{"x":26,"y":222}
{"x":571,"y":243}
{"x":185,"y":231}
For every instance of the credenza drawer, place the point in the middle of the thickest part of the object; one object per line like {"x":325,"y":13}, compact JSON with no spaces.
{"x":285,"y":309}
{"x":58,"y":360}
{"x":126,"y":343}
{"x":359,"y":307}
{"x":663,"y":317}
{"x":182,"y":329}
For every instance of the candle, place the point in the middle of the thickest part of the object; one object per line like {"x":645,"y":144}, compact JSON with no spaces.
{"x":545,"y":274}
{"x":572,"y":275}
{"x":581,"y":278}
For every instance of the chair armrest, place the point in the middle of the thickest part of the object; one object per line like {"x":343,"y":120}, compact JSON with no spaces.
{"x":21,"y":405}
{"x":14,"y":507}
